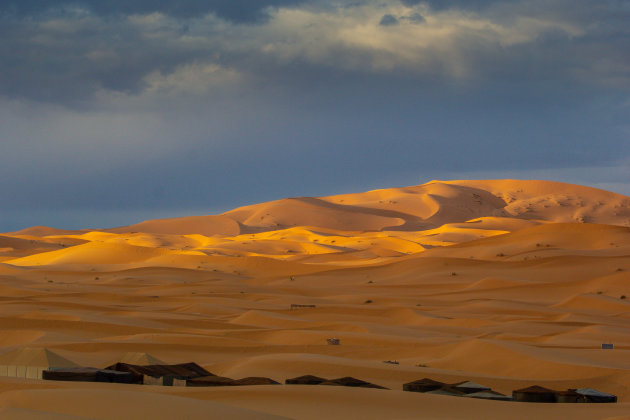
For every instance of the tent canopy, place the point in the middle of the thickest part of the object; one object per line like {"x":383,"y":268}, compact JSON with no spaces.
{"x":592,"y":392}
{"x":136,"y":358}
{"x":35,"y":356}
{"x":471,"y":385}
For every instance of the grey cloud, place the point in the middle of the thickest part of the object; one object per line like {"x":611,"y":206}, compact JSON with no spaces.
{"x":388,"y":20}
{"x":414,"y":18}
{"x":66,"y":58}
{"x":234,"y":10}
{"x":459,"y":4}
{"x":53,"y":63}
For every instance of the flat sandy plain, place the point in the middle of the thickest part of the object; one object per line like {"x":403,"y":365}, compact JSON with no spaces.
{"x":506,"y":283}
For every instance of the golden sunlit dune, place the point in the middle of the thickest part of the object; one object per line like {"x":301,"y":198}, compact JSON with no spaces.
{"x":506,"y":283}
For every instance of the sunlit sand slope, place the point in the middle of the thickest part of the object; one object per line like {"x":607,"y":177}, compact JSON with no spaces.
{"x":344,"y":229}
{"x":413,"y":208}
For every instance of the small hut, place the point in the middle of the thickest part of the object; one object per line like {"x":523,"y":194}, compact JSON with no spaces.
{"x":534,"y":393}
{"x":30,"y":362}
{"x":423,"y":385}
{"x":352,"y":382}
{"x":305,"y":380}
{"x":468,"y":387}
{"x":595,"y":396}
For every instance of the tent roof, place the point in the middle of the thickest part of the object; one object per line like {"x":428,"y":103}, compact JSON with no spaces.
{"x":592,"y":392}
{"x":535,"y":389}
{"x":469,"y":384}
{"x":447,"y":391}
{"x":350,"y":381}
{"x":191,"y":370}
{"x":306,"y":379}
{"x":255,"y":380}
{"x":35,"y":356}
{"x":137,"y":358}
{"x":425,"y":381}
{"x":490,"y":395}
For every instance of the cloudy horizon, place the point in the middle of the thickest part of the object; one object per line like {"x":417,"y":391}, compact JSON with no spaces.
{"x":116,"y":112}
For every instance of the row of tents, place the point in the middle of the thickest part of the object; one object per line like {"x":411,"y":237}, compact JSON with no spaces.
{"x":31,"y":362}
{"x":132,"y":368}
{"x":533,"y":393}
{"x":577,"y":395}
{"x":142,"y":368}
{"x":459,"y":389}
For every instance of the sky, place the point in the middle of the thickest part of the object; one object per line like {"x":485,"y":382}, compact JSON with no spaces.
{"x":113,"y":112}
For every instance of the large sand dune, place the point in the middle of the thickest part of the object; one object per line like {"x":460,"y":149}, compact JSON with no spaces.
{"x":508,"y":283}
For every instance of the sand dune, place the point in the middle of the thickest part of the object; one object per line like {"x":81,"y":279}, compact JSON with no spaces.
{"x":39,"y":231}
{"x":412,"y":208}
{"x":543,"y":241}
{"x":508,"y":283}
{"x":91,"y":253}
{"x":98,"y":404}
{"x":202,"y":225}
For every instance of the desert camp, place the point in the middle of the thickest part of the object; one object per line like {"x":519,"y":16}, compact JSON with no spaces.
{"x":42,"y":363}
{"x":161,"y":374}
{"x":30,"y":362}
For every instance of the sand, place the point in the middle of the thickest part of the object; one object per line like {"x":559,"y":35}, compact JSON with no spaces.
{"x":504,"y":282}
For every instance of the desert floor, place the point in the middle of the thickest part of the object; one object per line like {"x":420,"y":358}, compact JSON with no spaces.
{"x":505,"y":283}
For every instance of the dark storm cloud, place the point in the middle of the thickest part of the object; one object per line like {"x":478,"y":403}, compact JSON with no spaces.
{"x":388,"y":20}
{"x":66,"y":57}
{"x":50,"y":60}
{"x":234,"y":10}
